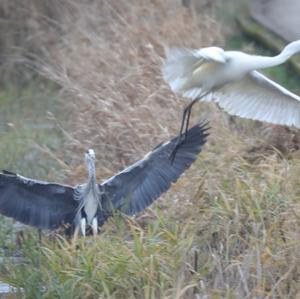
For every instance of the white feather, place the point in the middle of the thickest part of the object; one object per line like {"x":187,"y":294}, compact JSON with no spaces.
{"x":232,"y":75}
{"x":259,"y":98}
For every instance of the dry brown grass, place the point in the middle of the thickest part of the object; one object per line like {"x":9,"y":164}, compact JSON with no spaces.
{"x":26,"y":27}
{"x":236,"y":210}
{"x":106,"y":57}
{"x":108,"y":64}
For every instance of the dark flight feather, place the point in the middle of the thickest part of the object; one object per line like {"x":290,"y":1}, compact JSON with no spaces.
{"x":49,"y":205}
{"x":136,"y":187}
{"x":37,"y":203}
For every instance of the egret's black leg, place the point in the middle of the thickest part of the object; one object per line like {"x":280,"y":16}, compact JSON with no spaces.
{"x":179,"y":140}
{"x":187,"y":122}
{"x":185,"y":111}
{"x":184,"y":124}
{"x":189,"y":115}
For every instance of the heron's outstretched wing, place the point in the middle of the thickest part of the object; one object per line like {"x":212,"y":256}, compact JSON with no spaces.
{"x":36,"y":203}
{"x":189,"y":72}
{"x":259,"y":98}
{"x":136,"y":187}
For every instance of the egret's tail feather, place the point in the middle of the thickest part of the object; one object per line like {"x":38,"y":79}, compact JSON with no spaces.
{"x":178,"y":67}
{"x":193,"y":93}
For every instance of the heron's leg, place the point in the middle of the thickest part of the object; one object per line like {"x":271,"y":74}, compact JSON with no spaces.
{"x":95,"y":226}
{"x":76,"y":233}
{"x":83,"y":226}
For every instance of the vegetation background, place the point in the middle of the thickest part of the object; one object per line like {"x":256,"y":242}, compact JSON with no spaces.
{"x":86,"y":74}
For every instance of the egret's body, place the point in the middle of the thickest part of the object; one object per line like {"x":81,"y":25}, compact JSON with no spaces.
{"x":231,"y":79}
{"x":49,"y":205}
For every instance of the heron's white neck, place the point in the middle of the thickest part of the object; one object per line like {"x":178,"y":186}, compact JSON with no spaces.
{"x":291,"y":49}
{"x":92,"y":172}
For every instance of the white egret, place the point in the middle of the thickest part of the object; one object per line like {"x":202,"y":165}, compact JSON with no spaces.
{"x":231,"y":79}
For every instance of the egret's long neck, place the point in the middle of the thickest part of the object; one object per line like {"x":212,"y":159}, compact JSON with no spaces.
{"x":260,"y":62}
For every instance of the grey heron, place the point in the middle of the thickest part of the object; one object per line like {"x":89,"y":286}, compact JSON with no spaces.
{"x":231,"y":79}
{"x":49,"y":205}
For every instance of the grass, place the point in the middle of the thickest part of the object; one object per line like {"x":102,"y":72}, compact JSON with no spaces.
{"x":228,"y":229}
{"x":146,"y":265}
{"x":28,"y":130}
{"x":30,"y":141}
{"x":238,"y":237}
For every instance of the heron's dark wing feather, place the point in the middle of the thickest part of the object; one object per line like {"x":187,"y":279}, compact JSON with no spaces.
{"x":136,"y":187}
{"x":37,"y":203}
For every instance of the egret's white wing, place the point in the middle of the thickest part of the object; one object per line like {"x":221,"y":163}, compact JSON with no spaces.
{"x":259,"y":98}
{"x":189,"y":72}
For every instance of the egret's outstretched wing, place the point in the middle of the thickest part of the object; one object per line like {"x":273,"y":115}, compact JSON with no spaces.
{"x":136,"y":187}
{"x":188,"y":72}
{"x":36,"y":203}
{"x":259,"y":98}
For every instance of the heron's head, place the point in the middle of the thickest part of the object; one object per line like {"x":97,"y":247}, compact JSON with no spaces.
{"x":90,"y":157}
